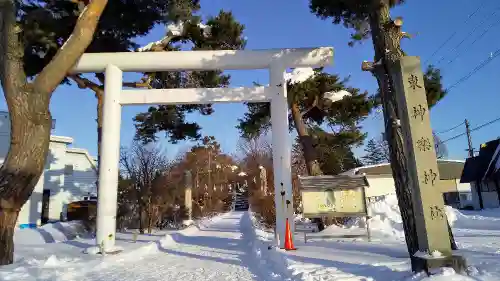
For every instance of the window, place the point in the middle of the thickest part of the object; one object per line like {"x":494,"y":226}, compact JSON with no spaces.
{"x":450,"y":198}
{"x":68,"y":169}
{"x":465,"y":197}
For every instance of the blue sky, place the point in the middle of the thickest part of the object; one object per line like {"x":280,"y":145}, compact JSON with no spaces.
{"x":288,"y":23}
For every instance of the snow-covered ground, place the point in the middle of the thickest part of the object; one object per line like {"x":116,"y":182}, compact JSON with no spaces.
{"x":234,"y":247}
{"x":385,"y":256}
{"x":56,"y":252}
{"x":215,"y":249}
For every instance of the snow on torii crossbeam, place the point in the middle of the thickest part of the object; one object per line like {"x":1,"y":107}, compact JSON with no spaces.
{"x":114,"y":64}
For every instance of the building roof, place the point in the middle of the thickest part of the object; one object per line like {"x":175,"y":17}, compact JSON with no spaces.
{"x":448,"y":169}
{"x":484,"y":165}
{"x":471,"y":170}
{"x":332,"y":182}
{"x":61,"y":139}
{"x":85,"y":153}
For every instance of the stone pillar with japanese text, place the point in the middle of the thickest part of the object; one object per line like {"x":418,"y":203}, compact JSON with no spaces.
{"x":428,"y":202}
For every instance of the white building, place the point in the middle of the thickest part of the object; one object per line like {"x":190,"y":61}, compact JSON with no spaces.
{"x":381,"y":182}
{"x":69,"y":175}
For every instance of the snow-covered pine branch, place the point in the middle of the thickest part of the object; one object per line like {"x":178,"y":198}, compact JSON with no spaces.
{"x":336,"y":96}
{"x":173,"y":30}
{"x":299,"y":75}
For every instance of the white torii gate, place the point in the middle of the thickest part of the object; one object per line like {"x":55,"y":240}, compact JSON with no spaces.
{"x":114,"y":64}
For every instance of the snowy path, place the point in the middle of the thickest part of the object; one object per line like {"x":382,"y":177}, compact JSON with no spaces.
{"x":217,"y":251}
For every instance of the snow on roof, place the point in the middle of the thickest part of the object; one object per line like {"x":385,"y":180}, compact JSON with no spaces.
{"x":355,"y":170}
{"x":299,"y":75}
{"x":61,"y":139}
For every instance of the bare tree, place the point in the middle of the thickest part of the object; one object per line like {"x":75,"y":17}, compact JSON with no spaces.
{"x":255,"y":151}
{"x":143,"y":164}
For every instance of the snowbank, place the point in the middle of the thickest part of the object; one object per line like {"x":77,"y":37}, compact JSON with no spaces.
{"x":488,"y":219}
{"x":264,"y":251}
{"x":50,"y":233}
{"x":386,"y":218}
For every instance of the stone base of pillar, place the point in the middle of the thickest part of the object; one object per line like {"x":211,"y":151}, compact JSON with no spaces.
{"x":95,"y":250}
{"x":113,"y":252}
{"x":455,"y":261}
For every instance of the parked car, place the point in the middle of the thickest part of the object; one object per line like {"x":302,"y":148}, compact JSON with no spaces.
{"x":84,"y":210}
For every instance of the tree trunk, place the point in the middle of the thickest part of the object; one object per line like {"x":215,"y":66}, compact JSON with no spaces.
{"x":30,"y":117}
{"x":386,"y":41}
{"x":312,"y":164}
{"x":141,"y":217}
{"x":7,"y":224}
{"x":29,"y":145}
{"x":150,"y":219}
{"x":30,"y":125}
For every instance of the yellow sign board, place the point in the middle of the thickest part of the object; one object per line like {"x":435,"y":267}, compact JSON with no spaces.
{"x":334,"y":202}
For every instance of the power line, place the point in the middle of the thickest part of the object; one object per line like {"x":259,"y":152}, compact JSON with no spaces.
{"x":468,"y":35}
{"x":472,"y":130}
{"x":452,"y":35}
{"x":475,"y":40}
{"x":493,"y":55}
{"x":450,"y":129}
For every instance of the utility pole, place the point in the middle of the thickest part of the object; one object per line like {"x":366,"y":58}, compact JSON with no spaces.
{"x":469,"y":138}
{"x":471,"y":154}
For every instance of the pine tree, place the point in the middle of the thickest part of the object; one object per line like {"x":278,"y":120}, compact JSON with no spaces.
{"x":225,"y":33}
{"x":333,"y":152}
{"x":115,"y":36}
{"x":309,"y":110}
{"x":374,"y":153}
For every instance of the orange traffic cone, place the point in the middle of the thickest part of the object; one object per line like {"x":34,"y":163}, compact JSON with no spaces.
{"x":288,"y":238}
